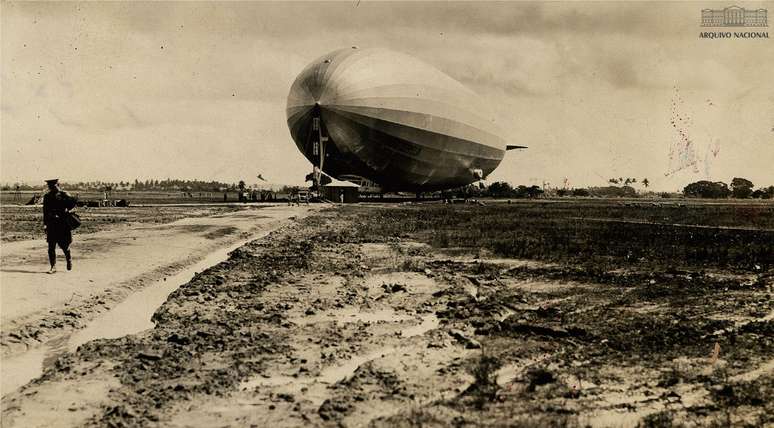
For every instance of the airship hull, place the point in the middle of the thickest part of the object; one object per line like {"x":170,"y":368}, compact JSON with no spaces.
{"x":392,"y":119}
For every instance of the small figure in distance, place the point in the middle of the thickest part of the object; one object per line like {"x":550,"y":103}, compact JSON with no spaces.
{"x":56,"y":205}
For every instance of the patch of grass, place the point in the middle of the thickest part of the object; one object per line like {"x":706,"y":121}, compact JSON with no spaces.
{"x":221,"y":232}
{"x":740,"y":394}
{"x":484,"y":389}
{"x":539,"y":376}
{"x":661,"y":419}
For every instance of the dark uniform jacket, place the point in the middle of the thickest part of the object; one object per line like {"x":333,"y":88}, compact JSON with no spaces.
{"x":55,"y":206}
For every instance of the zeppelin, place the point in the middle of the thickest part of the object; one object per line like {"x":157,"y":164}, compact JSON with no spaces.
{"x":392,"y":119}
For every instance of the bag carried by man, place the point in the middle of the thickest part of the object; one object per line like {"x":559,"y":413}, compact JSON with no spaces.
{"x":73,"y":220}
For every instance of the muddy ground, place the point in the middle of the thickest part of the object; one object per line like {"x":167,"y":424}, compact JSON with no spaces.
{"x":110,"y":265}
{"x":333,"y":322}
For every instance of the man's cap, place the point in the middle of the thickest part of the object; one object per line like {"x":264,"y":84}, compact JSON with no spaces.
{"x":52,"y":181}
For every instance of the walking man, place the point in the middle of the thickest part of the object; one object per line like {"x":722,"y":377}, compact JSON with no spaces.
{"x":56,"y":204}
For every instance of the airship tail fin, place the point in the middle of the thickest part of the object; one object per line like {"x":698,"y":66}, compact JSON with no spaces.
{"x":510,"y":147}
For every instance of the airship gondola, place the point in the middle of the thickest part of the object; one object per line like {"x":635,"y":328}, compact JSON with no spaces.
{"x":392,"y":119}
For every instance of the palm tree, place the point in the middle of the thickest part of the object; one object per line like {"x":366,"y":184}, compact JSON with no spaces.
{"x":645,"y":182}
{"x":241,"y":186}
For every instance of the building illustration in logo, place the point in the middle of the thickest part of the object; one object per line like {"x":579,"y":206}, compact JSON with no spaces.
{"x":734,"y":16}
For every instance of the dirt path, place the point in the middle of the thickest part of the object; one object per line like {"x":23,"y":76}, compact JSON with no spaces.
{"x":109,"y":266}
{"x":317,"y":325}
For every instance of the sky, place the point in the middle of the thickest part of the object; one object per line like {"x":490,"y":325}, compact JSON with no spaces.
{"x":197,"y":90}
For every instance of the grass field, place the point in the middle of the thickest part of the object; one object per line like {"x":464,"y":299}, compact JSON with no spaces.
{"x":590,"y":232}
{"x":604,"y":233}
{"x":24,"y":222}
{"x":134,"y":198}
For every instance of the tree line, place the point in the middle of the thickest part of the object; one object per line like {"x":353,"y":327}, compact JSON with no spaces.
{"x":137,"y":185}
{"x":741,"y":188}
{"x":501,"y":189}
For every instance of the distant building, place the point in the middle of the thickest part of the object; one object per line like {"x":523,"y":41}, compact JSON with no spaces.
{"x":340,"y":191}
{"x":365,"y":185}
{"x":734,"y":16}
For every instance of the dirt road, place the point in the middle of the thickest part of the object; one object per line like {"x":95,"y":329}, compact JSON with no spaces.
{"x":109,"y":266}
{"x":322,"y":325}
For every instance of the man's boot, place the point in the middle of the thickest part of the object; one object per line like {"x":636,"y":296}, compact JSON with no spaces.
{"x":69,"y":259}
